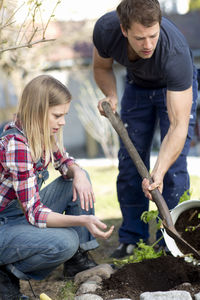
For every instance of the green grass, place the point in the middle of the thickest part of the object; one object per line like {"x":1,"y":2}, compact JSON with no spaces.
{"x":68,"y":291}
{"x":104,"y":186}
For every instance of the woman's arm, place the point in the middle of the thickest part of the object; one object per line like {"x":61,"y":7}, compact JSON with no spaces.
{"x":92,"y":223}
{"x":82,"y":186}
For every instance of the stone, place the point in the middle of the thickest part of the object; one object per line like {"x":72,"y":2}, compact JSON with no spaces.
{"x":104,"y":271}
{"x":87,"y":287}
{"x":95,"y":278}
{"x":171,"y":295}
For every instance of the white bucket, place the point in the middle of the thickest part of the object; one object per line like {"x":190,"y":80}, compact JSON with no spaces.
{"x":175,"y":213}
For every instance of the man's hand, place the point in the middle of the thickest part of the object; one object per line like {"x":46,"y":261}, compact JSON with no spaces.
{"x":111,"y":100}
{"x":147,"y":187}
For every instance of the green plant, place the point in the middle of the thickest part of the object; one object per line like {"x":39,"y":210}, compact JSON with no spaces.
{"x":150,"y":215}
{"x":140,"y":253}
{"x":186,"y":196}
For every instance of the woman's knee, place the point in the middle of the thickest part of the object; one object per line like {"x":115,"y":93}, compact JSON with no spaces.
{"x":65,"y":244}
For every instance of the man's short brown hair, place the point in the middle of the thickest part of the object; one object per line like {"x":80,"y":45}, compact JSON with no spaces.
{"x":145,"y":12}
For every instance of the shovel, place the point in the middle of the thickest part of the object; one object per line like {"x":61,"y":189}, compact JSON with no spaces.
{"x":142,"y":170}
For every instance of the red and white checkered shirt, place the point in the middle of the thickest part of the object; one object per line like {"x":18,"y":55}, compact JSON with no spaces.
{"x":18,"y":176}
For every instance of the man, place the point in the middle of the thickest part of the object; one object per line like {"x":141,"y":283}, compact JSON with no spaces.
{"x":160,"y":85}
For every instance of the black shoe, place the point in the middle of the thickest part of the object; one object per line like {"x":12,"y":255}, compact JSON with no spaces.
{"x":123,"y":250}
{"x":78,"y":263}
{"x":9,"y":286}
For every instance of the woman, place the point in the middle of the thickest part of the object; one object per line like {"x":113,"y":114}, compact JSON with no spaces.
{"x":42,"y":229}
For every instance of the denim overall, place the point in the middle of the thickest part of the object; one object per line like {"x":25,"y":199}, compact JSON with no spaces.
{"x":30,"y":252}
{"x":140,"y":110}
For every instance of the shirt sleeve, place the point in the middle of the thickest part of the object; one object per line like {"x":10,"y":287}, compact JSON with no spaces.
{"x":98,"y":39}
{"x":62,"y":162}
{"x":19,"y":164}
{"x":179,"y":70}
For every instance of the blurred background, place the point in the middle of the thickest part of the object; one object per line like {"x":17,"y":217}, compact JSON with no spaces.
{"x":55,"y":37}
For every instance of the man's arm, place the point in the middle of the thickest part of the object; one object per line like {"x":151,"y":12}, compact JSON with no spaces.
{"x":105,"y":79}
{"x":179,"y":108}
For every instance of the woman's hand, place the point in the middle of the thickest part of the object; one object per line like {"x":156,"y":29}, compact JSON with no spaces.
{"x":92,"y":223}
{"x":96,"y":227}
{"x":83,"y":187}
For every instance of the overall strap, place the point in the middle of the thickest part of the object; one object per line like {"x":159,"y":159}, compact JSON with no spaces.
{"x":10,"y":131}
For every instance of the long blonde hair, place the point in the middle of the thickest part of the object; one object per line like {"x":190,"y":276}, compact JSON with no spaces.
{"x":39,"y":94}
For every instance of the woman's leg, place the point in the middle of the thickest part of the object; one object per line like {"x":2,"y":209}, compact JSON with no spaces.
{"x":32,"y":252}
{"x":58,"y":196}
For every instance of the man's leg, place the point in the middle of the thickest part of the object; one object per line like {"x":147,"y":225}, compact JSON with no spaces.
{"x":139,"y":117}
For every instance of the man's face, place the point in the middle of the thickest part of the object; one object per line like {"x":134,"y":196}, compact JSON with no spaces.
{"x":142,"y":40}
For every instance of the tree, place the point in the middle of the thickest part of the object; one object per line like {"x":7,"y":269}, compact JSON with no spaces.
{"x":25,"y":22}
{"x":22,"y":26}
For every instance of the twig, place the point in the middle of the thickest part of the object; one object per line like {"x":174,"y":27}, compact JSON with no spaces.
{"x":192,"y":215}
{"x":53,"y":11}
{"x":12,"y":15}
{"x":28,"y":45}
{"x":6,"y":25}
{"x":32,"y":36}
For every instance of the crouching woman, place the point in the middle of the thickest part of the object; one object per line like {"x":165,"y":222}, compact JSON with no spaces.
{"x":41,"y":229}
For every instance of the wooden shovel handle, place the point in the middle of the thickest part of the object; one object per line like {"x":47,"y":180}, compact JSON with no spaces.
{"x":142,"y":170}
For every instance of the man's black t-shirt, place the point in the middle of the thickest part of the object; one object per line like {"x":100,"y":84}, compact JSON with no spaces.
{"x":170,"y":66}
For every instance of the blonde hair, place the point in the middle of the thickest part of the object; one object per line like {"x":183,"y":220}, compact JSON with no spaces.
{"x":38,"y":96}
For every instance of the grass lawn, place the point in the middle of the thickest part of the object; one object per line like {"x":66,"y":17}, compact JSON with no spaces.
{"x":104,"y":186}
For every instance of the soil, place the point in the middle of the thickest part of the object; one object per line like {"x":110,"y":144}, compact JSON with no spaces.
{"x":188,"y":226}
{"x":161,"y":274}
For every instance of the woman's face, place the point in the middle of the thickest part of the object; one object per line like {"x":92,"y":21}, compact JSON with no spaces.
{"x":57,"y":117}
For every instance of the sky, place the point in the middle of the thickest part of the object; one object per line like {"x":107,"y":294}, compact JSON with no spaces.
{"x":86,"y":9}
{"x":89,"y":9}
{"x":83,"y":9}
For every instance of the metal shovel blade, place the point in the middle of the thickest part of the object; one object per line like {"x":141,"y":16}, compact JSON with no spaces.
{"x":142,"y":170}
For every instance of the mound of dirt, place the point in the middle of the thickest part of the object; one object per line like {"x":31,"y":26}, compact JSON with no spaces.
{"x":161,"y":274}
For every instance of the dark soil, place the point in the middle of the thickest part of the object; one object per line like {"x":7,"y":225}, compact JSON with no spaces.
{"x":161,"y":274}
{"x":188,"y":225}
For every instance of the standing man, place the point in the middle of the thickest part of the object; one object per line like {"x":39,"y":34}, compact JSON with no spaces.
{"x":160,"y":85}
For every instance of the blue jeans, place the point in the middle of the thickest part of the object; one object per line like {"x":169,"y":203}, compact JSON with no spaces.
{"x":140,"y":110}
{"x":30,"y":252}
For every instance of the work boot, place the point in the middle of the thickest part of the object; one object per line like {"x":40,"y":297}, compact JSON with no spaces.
{"x":9,"y":286}
{"x":123,"y":250}
{"x":78,"y":263}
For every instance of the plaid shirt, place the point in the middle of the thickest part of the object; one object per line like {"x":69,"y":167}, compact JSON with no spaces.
{"x":18,"y":176}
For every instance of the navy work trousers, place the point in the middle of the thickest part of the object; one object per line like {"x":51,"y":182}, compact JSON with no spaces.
{"x":141,"y":109}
